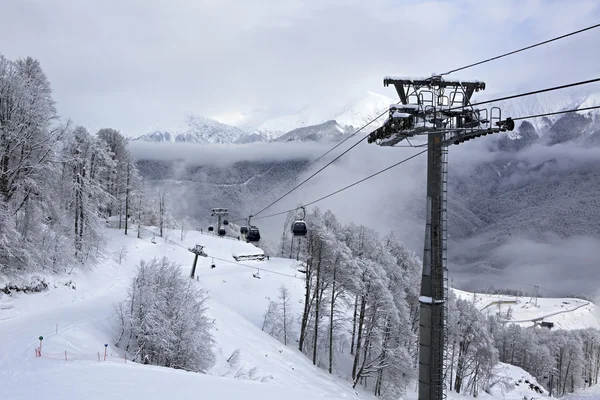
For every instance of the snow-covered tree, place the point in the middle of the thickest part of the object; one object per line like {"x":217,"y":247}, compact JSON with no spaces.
{"x":163,"y":320}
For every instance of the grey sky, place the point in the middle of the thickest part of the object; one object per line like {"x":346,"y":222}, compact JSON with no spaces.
{"x":139,"y":65}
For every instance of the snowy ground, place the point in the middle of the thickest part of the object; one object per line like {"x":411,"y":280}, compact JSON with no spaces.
{"x":565,"y":313}
{"x":268,"y":370}
{"x":590,"y":393}
{"x":76,"y":316}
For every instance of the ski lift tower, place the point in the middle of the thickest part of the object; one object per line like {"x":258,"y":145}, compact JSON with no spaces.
{"x":441,"y":110}
{"x":219,"y":212}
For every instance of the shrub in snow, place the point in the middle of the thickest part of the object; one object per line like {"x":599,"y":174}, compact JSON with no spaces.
{"x":163,"y":319}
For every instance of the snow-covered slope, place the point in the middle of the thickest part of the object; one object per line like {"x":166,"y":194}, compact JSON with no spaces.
{"x":354,"y":114}
{"x":364,"y":109}
{"x":198,"y":130}
{"x":275,"y":127}
{"x":565,"y":313}
{"x":591,"y":393}
{"x":77,"y":319}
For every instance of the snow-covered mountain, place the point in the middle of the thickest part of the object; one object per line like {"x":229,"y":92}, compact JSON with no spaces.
{"x":198,"y":130}
{"x":326,"y":130}
{"x":353,"y":114}
{"x":540,"y":104}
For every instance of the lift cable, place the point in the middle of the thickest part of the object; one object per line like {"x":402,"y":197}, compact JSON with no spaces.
{"x":384,"y":112}
{"x":521,"y":49}
{"x":345,"y":187}
{"x":556,"y":113}
{"x":514,"y":96}
{"x":327,"y":152}
{"x":229,"y":261}
{"x":454,"y":108}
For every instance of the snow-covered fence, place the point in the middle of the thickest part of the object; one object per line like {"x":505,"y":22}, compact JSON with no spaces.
{"x":78,"y":356}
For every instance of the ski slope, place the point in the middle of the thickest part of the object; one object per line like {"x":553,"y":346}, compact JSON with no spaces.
{"x":591,"y":393}
{"x":268,"y":369}
{"x":565,"y":313}
{"x":76,"y":319}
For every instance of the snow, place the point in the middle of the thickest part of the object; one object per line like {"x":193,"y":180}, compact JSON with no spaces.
{"x":76,"y":316}
{"x":590,"y":393}
{"x":517,"y":389}
{"x":429,"y":300}
{"x":591,"y":100}
{"x":79,"y":321}
{"x":354,"y":113}
{"x":198,"y":130}
{"x":565,"y":313}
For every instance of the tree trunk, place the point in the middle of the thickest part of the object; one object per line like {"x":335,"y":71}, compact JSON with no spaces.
{"x":127,"y":191}
{"x":317,"y":306}
{"x":304,"y":322}
{"x":331,"y":309}
{"x":361,"y":319}
{"x":285,"y":332}
{"x":354,"y":325}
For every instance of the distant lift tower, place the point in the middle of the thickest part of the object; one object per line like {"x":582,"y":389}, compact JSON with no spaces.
{"x":219,"y":213}
{"x":441,"y":110}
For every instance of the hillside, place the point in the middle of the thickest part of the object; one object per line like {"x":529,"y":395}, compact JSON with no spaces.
{"x":85,"y":321}
{"x":564,"y":313}
{"x":197,"y":130}
{"x":76,"y":316}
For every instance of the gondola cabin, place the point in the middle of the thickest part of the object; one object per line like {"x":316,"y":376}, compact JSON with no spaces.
{"x":210,"y":228}
{"x":221,"y":231}
{"x":225,"y":222}
{"x":253,"y":234}
{"x":299,"y":228}
{"x":244,"y":230}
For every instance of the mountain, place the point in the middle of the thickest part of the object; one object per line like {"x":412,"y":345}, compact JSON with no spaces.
{"x":327,"y":130}
{"x":198,"y":130}
{"x":361,"y":111}
{"x":351,"y":115}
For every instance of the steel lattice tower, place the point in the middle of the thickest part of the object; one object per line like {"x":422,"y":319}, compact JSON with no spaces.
{"x":425,"y":109}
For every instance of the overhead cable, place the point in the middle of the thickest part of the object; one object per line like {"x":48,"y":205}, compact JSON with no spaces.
{"x":521,"y":49}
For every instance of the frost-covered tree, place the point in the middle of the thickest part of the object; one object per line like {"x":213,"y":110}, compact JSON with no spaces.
{"x":86,"y":160}
{"x":163,"y":320}
{"x":278,"y":319}
{"x":359,"y":292}
{"x":29,"y":213}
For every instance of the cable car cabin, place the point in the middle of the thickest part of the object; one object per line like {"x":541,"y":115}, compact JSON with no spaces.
{"x":253,"y":234}
{"x":299,"y":228}
{"x":225,"y":222}
{"x":221,"y":231}
{"x":244,"y":230}
{"x":210,"y":228}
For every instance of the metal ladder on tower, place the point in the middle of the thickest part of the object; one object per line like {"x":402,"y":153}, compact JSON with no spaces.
{"x":439,"y":280}
{"x":444,"y":219}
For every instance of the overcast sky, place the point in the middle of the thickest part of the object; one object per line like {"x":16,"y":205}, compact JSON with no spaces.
{"x":140,"y":65}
